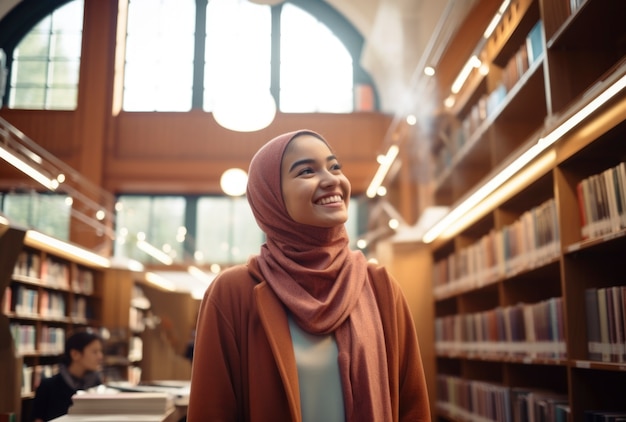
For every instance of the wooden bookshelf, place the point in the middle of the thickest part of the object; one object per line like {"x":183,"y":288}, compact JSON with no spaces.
{"x":124,"y":319}
{"x":511,"y":290}
{"x":46,"y":295}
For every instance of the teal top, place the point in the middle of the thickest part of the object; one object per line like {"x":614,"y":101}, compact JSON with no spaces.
{"x":321,"y":397}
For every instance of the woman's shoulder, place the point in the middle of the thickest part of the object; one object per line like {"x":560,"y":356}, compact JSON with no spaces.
{"x":232,"y":282}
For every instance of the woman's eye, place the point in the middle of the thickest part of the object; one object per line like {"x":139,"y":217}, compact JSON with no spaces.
{"x":336,"y":166}
{"x":304,"y":171}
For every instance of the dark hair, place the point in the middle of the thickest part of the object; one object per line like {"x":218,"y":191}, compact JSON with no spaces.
{"x":78,"y":341}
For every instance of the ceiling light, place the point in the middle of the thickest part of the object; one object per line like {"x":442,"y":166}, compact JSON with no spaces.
{"x":233,"y":182}
{"x":244,"y":110}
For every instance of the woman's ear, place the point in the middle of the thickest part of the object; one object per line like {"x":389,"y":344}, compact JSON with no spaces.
{"x":75,"y":354}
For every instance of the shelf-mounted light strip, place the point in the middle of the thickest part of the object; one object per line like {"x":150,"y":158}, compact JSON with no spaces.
{"x":385,"y":164}
{"x":159,"y":281}
{"x":460,"y":212}
{"x":27,"y":169}
{"x":473,"y":63}
{"x":64,"y":249}
{"x":496,"y":19}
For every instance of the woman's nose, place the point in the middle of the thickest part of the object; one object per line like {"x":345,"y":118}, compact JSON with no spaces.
{"x":329,"y":179}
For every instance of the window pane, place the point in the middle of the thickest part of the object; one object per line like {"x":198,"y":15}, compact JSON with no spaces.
{"x":226,"y":230}
{"x":61,"y":98}
{"x":158,"y":218}
{"x":68,"y":18}
{"x":33,"y":45}
{"x":238,"y":50}
{"x":64,"y":73}
{"x":48,"y":213}
{"x":46,"y":63}
{"x":27,"y":98}
{"x":65,"y":45}
{"x":29,"y":73}
{"x":316,"y":69}
{"x":158,"y":75}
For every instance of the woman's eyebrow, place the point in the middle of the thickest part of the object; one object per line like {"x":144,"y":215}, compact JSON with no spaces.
{"x":309,"y":161}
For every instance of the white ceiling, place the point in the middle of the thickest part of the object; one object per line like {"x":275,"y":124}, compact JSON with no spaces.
{"x":397,"y":34}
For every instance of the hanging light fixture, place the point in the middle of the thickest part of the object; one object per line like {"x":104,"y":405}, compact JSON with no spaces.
{"x":233,"y":182}
{"x":243,"y":101}
{"x":244,"y":109}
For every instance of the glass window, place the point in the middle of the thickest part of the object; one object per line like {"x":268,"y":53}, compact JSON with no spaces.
{"x":158,"y":74}
{"x":227,"y":231}
{"x":234,"y":57}
{"x":157,"y":220}
{"x":219,"y":229}
{"x":46,"y":63}
{"x":48,"y":213}
{"x":237,"y":52}
{"x":315,"y":68}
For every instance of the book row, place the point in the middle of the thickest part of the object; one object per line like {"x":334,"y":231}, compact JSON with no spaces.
{"x":32,"y":376}
{"x":528,"y":54}
{"x":29,"y":340}
{"x":606,"y":323}
{"x":479,"y":400}
{"x":53,"y":273}
{"x":51,"y":305}
{"x":522,"y":330}
{"x":530,"y":241}
{"x":602,"y":202}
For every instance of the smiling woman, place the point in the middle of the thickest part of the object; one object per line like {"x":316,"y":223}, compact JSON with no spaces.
{"x":305,"y":291}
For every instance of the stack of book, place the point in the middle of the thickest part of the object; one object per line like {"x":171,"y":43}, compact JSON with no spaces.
{"x":125,"y":403}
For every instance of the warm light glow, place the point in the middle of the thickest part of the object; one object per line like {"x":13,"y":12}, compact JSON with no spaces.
{"x":64,"y":249}
{"x":394,"y":223}
{"x":384,"y":167}
{"x":361,"y":243}
{"x":233,"y":182}
{"x":509,"y":188}
{"x":429,"y":71}
{"x":449,"y":102}
{"x":473,"y":63}
{"x":241,"y":110}
{"x":27,"y":169}
{"x":512,"y":169}
{"x":496,"y":19}
{"x":411,"y":119}
{"x":201,"y":275}
{"x":154,"y":252}
{"x":159,"y":281}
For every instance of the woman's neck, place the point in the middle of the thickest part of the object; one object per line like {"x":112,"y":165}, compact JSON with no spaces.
{"x":76,"y":371}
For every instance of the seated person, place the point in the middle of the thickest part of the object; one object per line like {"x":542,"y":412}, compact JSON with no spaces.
{"x":77,"y":371}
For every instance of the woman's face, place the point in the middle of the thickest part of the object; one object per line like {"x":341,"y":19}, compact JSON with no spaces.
{"x":90,"y":359}
{"x":315,"y":190}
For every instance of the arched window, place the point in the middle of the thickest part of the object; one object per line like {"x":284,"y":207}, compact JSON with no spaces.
{"x":239,"y":47}
{"x":180,"y":54}
{"x":158,"y":73}
{"x":46,"y":62}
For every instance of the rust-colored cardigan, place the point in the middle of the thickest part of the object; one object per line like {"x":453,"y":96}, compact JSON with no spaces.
{"x":244,"y":368}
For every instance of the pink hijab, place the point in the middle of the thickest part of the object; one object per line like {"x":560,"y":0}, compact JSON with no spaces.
{"x":323,"y":284}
